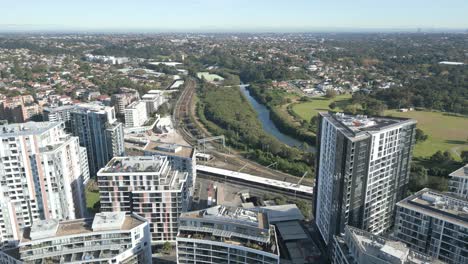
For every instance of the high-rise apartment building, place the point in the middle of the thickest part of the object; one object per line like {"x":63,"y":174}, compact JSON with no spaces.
{"x":108,"y":238}
{"x":58,"y":114}
{"x":358,"y":246}
{"x":458,"y":183}
{"x":41,"y":176}
{"x":150,"y":186}
{"x":99,"y":132}
{"x":125,"y":96}
{"x":434,"y":223}
{"x":362,"y":171}
{"x":226,"y":235}
{"x":135,"y":114}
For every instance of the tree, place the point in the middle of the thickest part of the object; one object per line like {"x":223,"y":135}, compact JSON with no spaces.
{"x":420,"y":136}
{"x":332,"y":105}
{"x":464,"y":156}
{"x":330,"y":94}
{"x":167,"y":248}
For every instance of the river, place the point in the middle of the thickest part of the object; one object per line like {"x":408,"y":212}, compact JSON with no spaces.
{"x":264,"y":116}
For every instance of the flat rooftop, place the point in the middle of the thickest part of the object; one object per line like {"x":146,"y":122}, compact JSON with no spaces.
{"x":52,"y":228}
{"x":93,"y":107}
{"x":461,"y":172}
{"x":231,"y":214}
{"x":361,"y":124}
{"x":132,"y":164}
{"x":29,"y":128}
{"x":382,"y":248}
{"x":257,"y":179}
{"x":438,"y":205}
{"x":169,"y":149}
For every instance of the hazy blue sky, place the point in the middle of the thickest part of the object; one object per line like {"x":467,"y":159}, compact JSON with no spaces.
{"x":235,"y":15}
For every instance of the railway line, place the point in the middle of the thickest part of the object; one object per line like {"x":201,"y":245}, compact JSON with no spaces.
{"x":184,"y":117}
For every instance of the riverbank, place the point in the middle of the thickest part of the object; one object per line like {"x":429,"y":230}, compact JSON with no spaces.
{"x":282,"y":120}
{"x":226,"y":111}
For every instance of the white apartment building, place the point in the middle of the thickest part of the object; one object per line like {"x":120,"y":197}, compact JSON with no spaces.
{"x":153,"y":101}
{"x":150,"y":186}
{"x":136,"y":114}
{"x":358,"y":246}
{"x":108,"y":238}
{"x":434,"y":223}
{"x":458,"y":183}
{"x":362,"y":171}
{"x":42,"y":170}
{"x":226,"y":235}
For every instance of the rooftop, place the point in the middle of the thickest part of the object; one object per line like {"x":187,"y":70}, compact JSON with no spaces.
{"x":461,"y":172}
{"x":231,"y":214}
{"x":30,"y":128}
{"x":106,"y":221}
{"x":438,"y":205}
{"x":151,"y":164}
{"x":387,"y":250}
{"x":169,"y":149}
{"x":360,"y":124}
{"x":93,"y":107}
{"x":261,"y":180}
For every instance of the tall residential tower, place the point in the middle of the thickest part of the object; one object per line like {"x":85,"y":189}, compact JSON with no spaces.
{"x":362,"y":171}
{"x":98,"y":131}
{"x":41,"y":177}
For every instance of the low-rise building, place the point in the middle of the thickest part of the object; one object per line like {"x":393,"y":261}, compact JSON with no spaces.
{"x":458,"y":183}
{"x":108,"y":238}
{"x":434,"y":223}
{"x":358,"y":246}
{"x":226,"y":235}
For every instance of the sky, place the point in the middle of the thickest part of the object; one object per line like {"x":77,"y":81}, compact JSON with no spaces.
{"x":231,"y":15}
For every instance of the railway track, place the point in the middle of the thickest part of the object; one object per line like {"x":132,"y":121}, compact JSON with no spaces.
{"x":183,"y":117}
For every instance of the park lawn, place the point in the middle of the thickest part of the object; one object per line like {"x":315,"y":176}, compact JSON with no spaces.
{"x":445,"y":132}
{"x":308,"y":109}
{"x":91,"y":199}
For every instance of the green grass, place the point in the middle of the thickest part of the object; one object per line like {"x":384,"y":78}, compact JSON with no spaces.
{"x":445,"y":132}
{"x":91,"y":199}
{"x":308,"y":109}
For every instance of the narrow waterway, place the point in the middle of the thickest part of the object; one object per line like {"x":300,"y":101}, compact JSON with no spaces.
{"x":264,"y":116}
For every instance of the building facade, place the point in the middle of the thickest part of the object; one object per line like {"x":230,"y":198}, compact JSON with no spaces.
{"x":41,"y":177}
{"x":150,"y":186}
{"x":434,"y":223}
{"x":363,"y":169}
{"x":358,"y":246}
{"x":99,"y":132}
{"x":125,"y":97}
{"x":458,"y":183}
{"x":226,"y":235}
{"x":59,"y":114}
{"x":135,"y":114}
{"x":108,"y":238}
{"x":153,"y":99}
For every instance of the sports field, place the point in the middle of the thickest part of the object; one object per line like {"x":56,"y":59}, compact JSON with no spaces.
{"x":308,"y":109}
{"x":445,"y":132}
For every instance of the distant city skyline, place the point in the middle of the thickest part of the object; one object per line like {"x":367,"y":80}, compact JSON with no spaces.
{"x":234,"y":16}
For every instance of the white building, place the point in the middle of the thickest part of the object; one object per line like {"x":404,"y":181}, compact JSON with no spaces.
{"x":151,"y":186}
{"x":153,"y":99}
{"x":108,"y":238}
{"x":435,"y":224}
{"x":362,"y":171}
{"x":361,"y":247}
{"x":42,"y":170}
{"x":458,"y":183}
{"x":135,"y":114}
{"x":226,"y":235}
